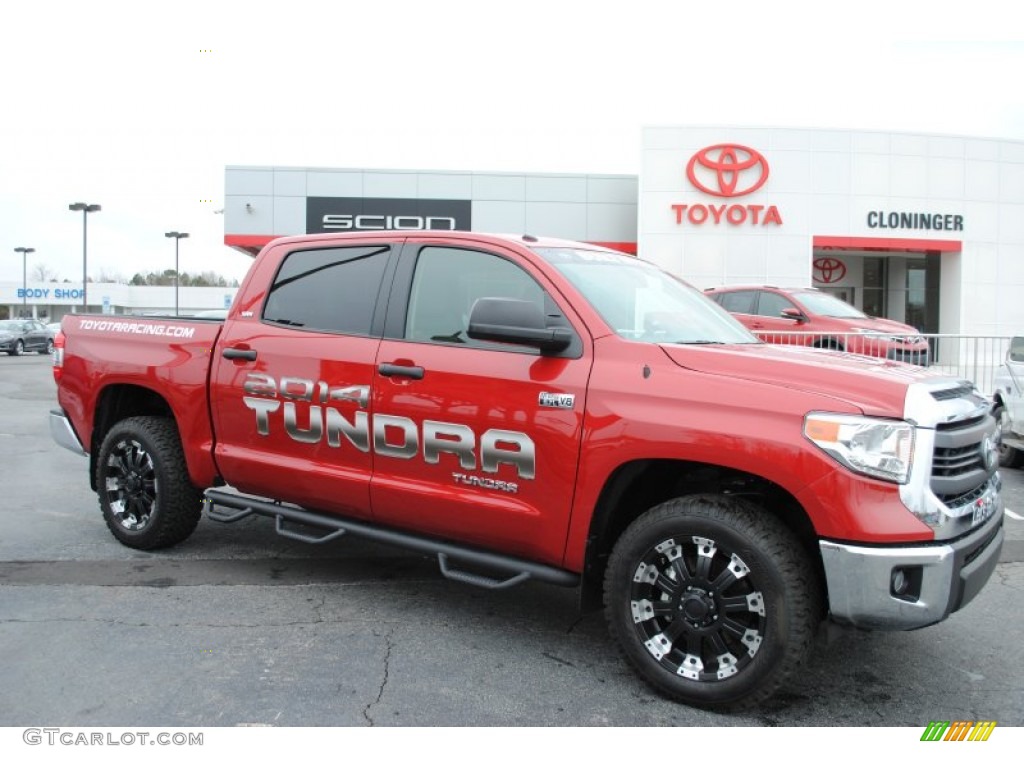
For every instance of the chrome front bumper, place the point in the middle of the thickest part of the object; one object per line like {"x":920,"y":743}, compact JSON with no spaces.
{"x":938,"y":578}
{"x":64,"y":434}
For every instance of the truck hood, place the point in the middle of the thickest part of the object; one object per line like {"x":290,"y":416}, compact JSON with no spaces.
{"x":875,"y":386}
{"x":880,"y":324}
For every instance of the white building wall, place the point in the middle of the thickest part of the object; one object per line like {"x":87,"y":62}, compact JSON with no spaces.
{"x":824,"y":183}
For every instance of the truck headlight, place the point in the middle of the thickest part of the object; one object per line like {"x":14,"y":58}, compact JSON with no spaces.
{"x":875,"y":335}
{"x":874,"y":447}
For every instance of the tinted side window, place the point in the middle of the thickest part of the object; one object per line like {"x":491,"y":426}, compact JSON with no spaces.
{"x":332,"y":289}
{"x":772,"y":304}
{"x":448,"y":281}
{"x":737,"y":301}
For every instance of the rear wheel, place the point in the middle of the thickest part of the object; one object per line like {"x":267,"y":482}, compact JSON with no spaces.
{"x":48,"y":349}
{"x":712,"y":600}
{"x":147,"y":499}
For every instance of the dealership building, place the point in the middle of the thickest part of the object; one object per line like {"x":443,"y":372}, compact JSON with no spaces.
{"x":925,"y":229}
{"x":50,"y":301}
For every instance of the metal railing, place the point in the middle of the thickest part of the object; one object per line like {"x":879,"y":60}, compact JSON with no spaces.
{"x":975,"y":358}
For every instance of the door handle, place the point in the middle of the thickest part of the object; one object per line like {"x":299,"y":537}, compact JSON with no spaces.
{"x":408,"y":371}
{"x":234,"y":353}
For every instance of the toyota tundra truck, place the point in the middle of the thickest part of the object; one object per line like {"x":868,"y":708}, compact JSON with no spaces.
{"x":524,"y":408}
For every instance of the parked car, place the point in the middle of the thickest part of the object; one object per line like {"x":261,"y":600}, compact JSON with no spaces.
{"x":814,"y":318}
{"x":54,"y":327}
{"x":17,"y":336}
{"x":1009,"y":405}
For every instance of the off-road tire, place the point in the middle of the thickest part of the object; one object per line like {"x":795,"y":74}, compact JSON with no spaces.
{"x":738,"y":620}
{"x":1008,"y":457}
{"x":145,"y":494}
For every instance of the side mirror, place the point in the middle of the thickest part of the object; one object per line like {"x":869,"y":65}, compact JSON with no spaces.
{"x":1016,"y":351}
{"x":792,"y":313}
{"x":513,"y":321}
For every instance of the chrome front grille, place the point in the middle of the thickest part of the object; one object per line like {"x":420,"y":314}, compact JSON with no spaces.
{"x":962,"y":461}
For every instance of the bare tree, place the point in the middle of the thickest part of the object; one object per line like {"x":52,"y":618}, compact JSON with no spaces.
{"x":106,"y":276}
{"x":42,"y":273}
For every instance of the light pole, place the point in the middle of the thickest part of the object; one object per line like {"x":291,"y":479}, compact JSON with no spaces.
{"x":177,"y":238}
{"x":24,"y":277}
{"x":86,"y":209}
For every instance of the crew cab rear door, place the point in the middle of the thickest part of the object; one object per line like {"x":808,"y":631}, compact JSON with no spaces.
{"x":290,"y":386}
{"x":475,"y":442}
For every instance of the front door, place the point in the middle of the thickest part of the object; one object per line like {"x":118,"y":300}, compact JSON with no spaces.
{"x":475,"y":441}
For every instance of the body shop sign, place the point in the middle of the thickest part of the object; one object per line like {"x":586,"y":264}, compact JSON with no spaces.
{"x":361,"y":214}
{"x":727,"y":171}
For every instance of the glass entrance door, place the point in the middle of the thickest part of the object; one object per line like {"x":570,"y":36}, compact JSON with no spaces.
{"x":922,"y":306}
{"x":914,"y":313}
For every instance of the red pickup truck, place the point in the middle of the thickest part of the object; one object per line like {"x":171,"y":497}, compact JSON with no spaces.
{"x":525,"y":408}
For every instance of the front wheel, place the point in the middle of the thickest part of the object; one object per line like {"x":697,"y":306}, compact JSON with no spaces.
{"x":1008,"y":457}
{"x":17,"y":349}
{"x":713,"y":600}
{"x":145,"y":493}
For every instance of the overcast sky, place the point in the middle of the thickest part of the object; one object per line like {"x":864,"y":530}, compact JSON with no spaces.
{"x":139,"y":106}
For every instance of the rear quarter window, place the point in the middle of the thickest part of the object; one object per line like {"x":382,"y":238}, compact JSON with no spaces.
{"x":330,"y":289}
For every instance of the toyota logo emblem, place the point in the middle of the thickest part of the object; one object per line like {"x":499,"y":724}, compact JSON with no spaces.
{"x":989,"y":453}
{"x":727,"y":170}
{"x":828,"y":269}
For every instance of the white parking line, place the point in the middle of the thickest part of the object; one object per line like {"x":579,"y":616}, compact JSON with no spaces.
{"x":1013,"y":514}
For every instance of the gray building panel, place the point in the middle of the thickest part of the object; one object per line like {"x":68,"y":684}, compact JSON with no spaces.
{"x":250,"y":215}
{"x":290,"y":183}
{"x":289,"y":215}
{"x":500,"y":216}
{"x":238,"y":181}
{"x":445,"y":186}
{"x":384,"y":184}
{"x":613,"y":189}
{"x":334,"y":183}
{"x":556,"y":189}
{"x":499,"y":187}
{"x":550,"y":219}
{"x":611,"y":223}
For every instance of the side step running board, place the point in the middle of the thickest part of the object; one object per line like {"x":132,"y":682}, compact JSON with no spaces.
{"x":515,"y":570}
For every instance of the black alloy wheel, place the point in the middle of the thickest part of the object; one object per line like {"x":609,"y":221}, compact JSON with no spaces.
{"x":130,"y":484}
{"x":697,"y":608}
{"x":713,"y":600}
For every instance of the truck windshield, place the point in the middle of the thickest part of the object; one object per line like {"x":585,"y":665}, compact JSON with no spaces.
{"x":642,"y":303}
{"x":828,"y":305}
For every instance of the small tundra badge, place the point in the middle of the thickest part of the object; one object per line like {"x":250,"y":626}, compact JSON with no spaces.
{"x":556,"y":400}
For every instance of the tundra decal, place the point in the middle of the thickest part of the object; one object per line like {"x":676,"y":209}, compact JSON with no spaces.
{"x":395,"y":436}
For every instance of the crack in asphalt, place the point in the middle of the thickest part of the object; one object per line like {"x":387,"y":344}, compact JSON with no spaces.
{"x":575,"y":624}
{"x":554,"y":658}
{"x":388,"y":647}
